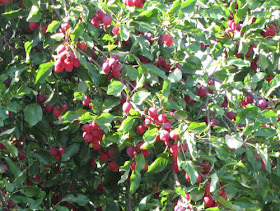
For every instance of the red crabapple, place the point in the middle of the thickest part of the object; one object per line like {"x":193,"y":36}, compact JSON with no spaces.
{"x":208,"y":201}
{"x":107,"y":20}
{"x":113,"y":166}
{"x":115,"y":30}
{"x":126,"y":107}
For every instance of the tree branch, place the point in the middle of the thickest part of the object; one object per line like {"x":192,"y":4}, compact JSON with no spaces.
{"x":10,"y":47}
{"x":56,"y":11}
{"x":208,"y":122}
{"x":176,"y":180}
{"x":89,"y":58}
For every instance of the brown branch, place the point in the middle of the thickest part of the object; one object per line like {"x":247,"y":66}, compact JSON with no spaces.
{"x":225,"y":116}
{"x":210,"y":77}
{"x":89,"y":58}
{"x":252,"y":95}
{"x":142,"y":113}
{"x":246,"y":91}
{"x":208,"y":122}
{"x":10,"y":47}
{"x":55,"y":10}
{"x":176,"y":180}
{"x":101,"y":52}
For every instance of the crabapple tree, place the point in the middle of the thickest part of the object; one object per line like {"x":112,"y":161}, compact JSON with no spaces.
{"x":139,"y":105}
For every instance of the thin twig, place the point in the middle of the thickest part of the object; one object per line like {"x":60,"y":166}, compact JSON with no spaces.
{"x":142,"y":113}
{"x":56,"y":11}
{"x":211,"y":99}
{"x":176,"y":180}
{"x":252,"y":95}
{"x":101,"y":52}
{"x":10,"y":47}
{"x":256,"y":98}
{"x":208,"y":122}
{"x":210,"y":77}
{"x":89,"y":58}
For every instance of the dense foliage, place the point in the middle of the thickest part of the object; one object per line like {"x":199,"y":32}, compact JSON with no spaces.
{"x":139,"y":105}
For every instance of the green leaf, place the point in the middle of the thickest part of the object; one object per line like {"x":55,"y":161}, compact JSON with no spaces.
{"x":34,"y":14}
{"x":149,"y":138}
{"x":124,"y":32}
{"x":180,"y":191}
{"x":44,"y":157}
{"x":143,"y":203}
{"x":58,"y":36}
{"x":191,"y":170}
{"x":53,"y":26}
{"x":10,"y":147}
{"x":159,"y":164}
{"x":70,"y":151}
{"x":226,"y":203}
{"x":175,"y":7}
{"x":88,"y":40}
{"x":93,"y":72}
{"x":188,"y":6}
{"x":140,"y":82}
{"x":124,"y":177}
{"x":155,"y":70}
{"x":61,"y":208}
{"x":134,"y":181}
{"x":109,"y":104}
{"x":175,"y":76}
{"x":104,"y":121}
{"x":13,"y":106}
{"x":140,"y":162}
{"x":196,"y":126}
{"x":127,"y":124}
{"x":257,"y":77}
{"x":82,"y":87}
{"x":31,"y":191}
{"x":245,"y":202}
{"x":115,"y":88}
{"x":12,"y":14}
{"x":132,"y":72}
{"x":33,"y":114}
{"x":24,"y":90}
{"x":78,"y":32}
{"x":266,"y":132}
{"x":43,"y":72}
{"x":243,"y":47}
{"x":263,"y":62}
{"x":166,"y":88}
{"x":274,"y":84}
{"x":13,"y":167}
{"x":85,"y":154}
{"x":139,"y":97}
{"x":7,"y":132}
{"x":189,"y":137}
{"x":80,"y":199}
{"x":233,"y":142}
{"x":214,"y":181}
{"x":28,"y":47}
{"x":70,"y":116}
{"x":3,"y":115}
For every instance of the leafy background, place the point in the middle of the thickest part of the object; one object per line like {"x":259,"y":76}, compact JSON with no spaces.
{"x":242,"y":153}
